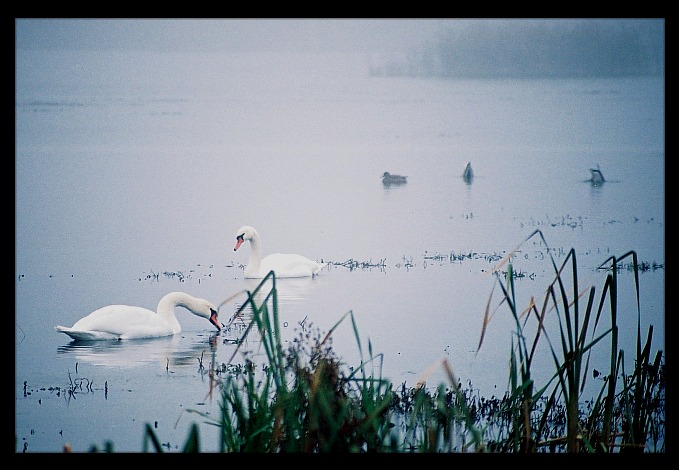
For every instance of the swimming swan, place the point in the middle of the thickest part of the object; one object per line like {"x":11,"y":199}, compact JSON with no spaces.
{"x":283,"y":265}
{"x":128,"y":322}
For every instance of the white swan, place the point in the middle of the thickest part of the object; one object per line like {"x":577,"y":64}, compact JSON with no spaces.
{"x":128,"y":322}
{"x":283,"y":265}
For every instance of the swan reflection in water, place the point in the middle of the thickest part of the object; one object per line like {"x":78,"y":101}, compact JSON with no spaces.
{"x":289,"y":292}
{"x":166,"y":351}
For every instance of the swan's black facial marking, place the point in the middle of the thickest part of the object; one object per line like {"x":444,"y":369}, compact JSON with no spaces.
{"x":240,"y":239}
{"x":214,"y":319}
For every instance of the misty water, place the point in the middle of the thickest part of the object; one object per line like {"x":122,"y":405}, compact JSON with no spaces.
{"x":135,"y":170}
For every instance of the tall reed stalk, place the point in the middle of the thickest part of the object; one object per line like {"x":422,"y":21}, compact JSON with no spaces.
{"x":641,"y":392}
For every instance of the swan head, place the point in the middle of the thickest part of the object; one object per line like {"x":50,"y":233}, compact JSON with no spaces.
{"x":207,"y":310}
{"x":214,"y":318}
{"x":199,"y":307}
{"x":244,"y":233}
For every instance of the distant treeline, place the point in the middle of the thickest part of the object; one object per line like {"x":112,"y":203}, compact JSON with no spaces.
{"x":538,"y":49}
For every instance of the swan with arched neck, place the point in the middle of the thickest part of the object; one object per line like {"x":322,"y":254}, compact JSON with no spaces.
{"x":117,"y":322}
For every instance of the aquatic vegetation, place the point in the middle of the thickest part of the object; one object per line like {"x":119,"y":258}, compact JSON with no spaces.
{"x":306,"y":399}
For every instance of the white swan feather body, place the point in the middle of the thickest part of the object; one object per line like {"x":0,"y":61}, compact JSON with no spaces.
{"x":282,"y":264}
{"x":117,"y":322}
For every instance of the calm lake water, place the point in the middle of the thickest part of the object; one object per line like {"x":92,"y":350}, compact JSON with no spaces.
{"x":134,"y":171}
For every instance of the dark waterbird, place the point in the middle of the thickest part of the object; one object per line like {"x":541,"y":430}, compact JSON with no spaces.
{"x":388,"y":179}
{"x":597,"y":178}
{"x":468,"y":173}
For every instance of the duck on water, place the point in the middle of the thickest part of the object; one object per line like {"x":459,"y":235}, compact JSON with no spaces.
{"x":389,"y":179}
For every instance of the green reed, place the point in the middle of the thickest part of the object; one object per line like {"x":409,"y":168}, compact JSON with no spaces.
{"x":636,"y":406}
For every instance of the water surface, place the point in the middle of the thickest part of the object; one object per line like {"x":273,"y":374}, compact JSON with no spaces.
{"x":134,"y":171}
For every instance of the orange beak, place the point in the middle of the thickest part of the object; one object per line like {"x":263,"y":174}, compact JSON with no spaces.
{"x":215,"y":321}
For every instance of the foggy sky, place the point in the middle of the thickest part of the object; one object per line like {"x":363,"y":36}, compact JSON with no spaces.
{"x":482,"y":48}
{"x":205,"y":35}
{"x":208,"y":35}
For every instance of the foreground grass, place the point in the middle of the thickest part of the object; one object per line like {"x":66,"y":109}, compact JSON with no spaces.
{"x":306,"y":400}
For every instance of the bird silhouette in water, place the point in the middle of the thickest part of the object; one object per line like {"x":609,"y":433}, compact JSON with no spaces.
{"x":393,"y":180}
{"x":468,"y":173}
{"x":597,"y":178}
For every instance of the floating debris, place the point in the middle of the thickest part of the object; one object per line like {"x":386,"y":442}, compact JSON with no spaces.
{"x":352,"y":264}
